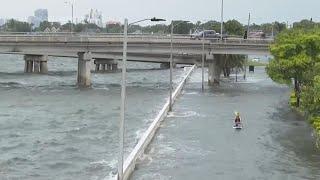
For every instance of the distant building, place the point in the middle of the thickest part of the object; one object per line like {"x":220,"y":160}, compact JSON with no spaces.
{"x":113,"y":23}
{"x":40,"y":15}
{"x":33,"y":20}
{"x":2,"y":22}
{"x":52,"y":30}
{"x":94,"y":17}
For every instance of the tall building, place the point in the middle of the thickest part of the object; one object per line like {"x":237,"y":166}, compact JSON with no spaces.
{"x":40,"y":15}
{"x":2,"y":21}
{"x":94,"y":17}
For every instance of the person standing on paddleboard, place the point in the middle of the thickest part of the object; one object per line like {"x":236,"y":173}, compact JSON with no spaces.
{"x":237,"y":120}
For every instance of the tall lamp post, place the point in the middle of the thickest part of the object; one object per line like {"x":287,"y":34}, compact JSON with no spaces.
{"x":202,"y":63}
{"x":171,"y":60}
{"x":221,"y":30}
{"x":72,"y":4}
{"x":123,"y":92}
{"x":247,"y":57}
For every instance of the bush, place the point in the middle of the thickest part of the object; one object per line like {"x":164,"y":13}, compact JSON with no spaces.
{"x":293,"y":99}
{"x":315,"y":121}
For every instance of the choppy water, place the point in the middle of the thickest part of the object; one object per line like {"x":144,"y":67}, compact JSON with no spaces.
{"x":197,"y":140}
{"x":50,"y":129}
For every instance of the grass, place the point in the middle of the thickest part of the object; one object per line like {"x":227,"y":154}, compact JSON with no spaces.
{"x":255,"y":63}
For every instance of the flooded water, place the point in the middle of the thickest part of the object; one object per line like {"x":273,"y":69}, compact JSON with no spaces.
{"x":52,"y":130}
{"x":197,"y":140}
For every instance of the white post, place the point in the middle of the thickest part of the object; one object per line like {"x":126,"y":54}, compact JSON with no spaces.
{"x":272,"y":30}
{"x":171,"y":64}
{"x":72,"y":17}
{"x":248,"y":29}
{"x":202,"y":88}
{"x":123,"y":101}
{"x":221,"y":31}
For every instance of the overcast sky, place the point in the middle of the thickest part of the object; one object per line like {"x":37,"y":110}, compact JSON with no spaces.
{"x":193,"y":10}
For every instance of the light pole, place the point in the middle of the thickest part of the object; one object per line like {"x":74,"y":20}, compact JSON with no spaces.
{"x":202,"y":64}
{"x":221,"y":30}
{"x":123,"y":93}
{"x":247,"y":57}
{"x":171,"y":61}
{"x":72,"y":4}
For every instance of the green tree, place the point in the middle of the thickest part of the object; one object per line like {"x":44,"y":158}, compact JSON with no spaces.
{"x":304,"y":24}
{"x":181,"y":27}
{"x":18,"y":26}
{"x":234,"y":27}
{"x":295,"y":53}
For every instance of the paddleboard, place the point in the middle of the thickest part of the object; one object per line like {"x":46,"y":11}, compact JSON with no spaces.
{"x":237,"y":127}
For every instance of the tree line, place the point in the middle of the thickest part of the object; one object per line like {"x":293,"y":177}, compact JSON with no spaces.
{"x":296,"y":61}
{"x":231,"y":27}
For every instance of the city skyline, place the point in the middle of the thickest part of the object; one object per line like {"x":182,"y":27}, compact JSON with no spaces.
{"x":261,"y":11}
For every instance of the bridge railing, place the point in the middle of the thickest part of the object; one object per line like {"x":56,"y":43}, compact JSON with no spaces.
{"x":116,"y":37}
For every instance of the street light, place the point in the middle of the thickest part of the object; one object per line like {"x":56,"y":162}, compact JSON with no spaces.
{"x":123,"y":93}
{"x":71,"y":3}
{"x":171,"y":60}
{"x":221,"y":30}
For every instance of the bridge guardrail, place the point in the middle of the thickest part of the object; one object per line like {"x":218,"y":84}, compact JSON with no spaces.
{"x":118,"y":38}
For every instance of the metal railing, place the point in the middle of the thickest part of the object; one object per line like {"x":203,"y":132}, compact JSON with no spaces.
{"x":118,"y":37}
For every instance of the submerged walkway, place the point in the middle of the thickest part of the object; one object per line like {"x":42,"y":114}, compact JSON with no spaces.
{"x":197,"y":140}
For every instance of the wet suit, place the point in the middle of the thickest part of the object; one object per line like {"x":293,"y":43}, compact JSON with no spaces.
{"x":237,"y":121}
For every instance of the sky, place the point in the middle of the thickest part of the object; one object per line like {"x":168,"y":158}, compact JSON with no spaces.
{"x":192,"y":10}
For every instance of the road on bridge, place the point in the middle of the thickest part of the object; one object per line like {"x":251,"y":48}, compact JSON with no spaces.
{"x":197,"y":140}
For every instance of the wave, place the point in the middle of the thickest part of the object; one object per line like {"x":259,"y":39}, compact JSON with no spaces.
{"x":11,"y":84}
{"x":183,"y":114}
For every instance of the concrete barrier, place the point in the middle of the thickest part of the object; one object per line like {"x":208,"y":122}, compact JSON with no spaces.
{"x":147,"y":137}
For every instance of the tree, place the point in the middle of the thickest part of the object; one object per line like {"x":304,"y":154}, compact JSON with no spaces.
{"x":181,"y":27}
{"x":304,"y":24}
{"x":18,"y":26}
{"x":232,"y":61}
{"x":234,"y":27}
{"x":295,"y":53}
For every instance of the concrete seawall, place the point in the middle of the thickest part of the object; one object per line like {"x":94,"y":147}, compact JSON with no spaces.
{"x":147,"y":137}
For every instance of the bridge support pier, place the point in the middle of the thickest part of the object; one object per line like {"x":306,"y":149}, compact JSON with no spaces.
{"x":106,"y":65}
{"x":215,"y":69}
{"x":167,"y":65}
{"x":84,"y":73}
{"x":36,"y":64}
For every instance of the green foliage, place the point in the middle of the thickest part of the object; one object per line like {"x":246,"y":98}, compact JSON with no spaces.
{"x":18,"y":26}
{"x":305,"y":24}
{"x":311,"y":97}
{"x":293,"y":100}
{"x":315,"y":121}
{"x":297,"y":56}
{"x":181,"y":27}
{"x":234,"y":27}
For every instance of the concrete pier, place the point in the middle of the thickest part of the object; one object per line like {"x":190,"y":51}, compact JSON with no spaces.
{"x":215,"y":69}
{"x":106,"y":65}
{"x":84,"y":73}
{"x":167,"y":65}
{"x":36,"y":64}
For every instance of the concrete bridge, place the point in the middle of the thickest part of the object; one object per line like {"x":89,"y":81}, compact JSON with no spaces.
{"x":106,"y":50}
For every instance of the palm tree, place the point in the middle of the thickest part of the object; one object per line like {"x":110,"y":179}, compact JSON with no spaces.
{"x":232,"y":61}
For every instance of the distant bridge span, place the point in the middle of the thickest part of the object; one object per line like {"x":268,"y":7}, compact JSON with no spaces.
{"x":144,"y":48}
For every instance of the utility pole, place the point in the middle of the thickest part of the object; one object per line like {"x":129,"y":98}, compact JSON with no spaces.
{"x":247,"y":57}
{"x":248,"y":29}
{"x":202,"y":80}
{"x":221,"y":30}
{"x":171,"y":64}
